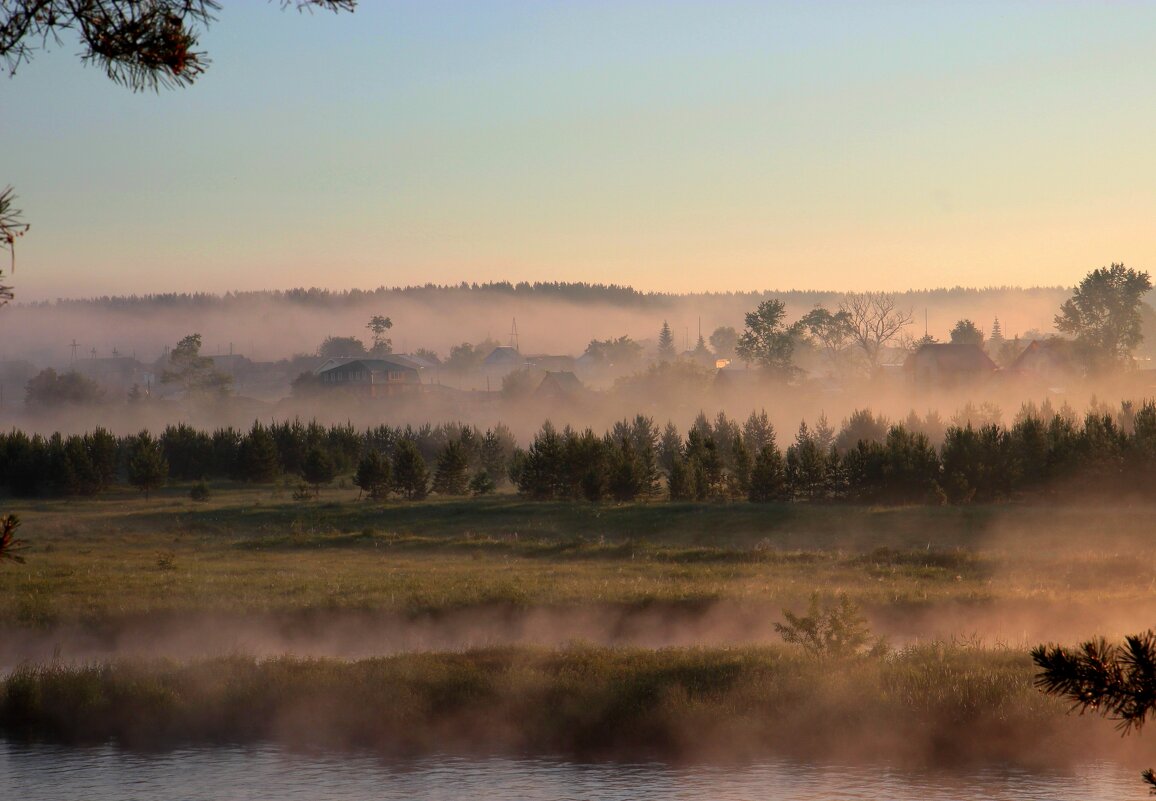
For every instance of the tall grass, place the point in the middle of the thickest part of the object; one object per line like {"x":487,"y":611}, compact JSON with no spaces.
{"x":929,"y":705}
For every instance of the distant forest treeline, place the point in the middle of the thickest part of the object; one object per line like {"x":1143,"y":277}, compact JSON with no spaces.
{"x":1044,"y":454}
{"x":577,"y":292}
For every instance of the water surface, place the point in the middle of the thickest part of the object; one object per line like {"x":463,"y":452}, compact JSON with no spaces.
{"x":60,"y":773}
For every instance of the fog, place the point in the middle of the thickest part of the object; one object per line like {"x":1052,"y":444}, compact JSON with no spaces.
{"x":278,"y":335}
{"x":1043,"y":576}
{"x":272,"y":326}
{"x":350,"y":635}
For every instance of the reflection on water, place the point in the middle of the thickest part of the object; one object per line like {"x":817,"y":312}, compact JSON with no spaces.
{"x":33,"y":773}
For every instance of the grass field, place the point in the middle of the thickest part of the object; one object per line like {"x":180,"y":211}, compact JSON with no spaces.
{"x":488,"y":623}
{"x":256,"y":551}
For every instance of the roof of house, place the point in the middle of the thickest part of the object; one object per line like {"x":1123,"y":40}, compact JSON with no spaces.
{"x":378,"y":365}
{"x":563,"y":381}
{"x":419,"y":362}
{"x":503,"y":354}
{"x":332,"y":362}
{"x":1054,"y":352}
{"x":953,"y":357}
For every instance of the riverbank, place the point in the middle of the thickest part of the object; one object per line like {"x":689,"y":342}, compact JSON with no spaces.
{"x":930,"y":705}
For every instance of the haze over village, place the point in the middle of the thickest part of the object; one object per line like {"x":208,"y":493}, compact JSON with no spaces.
{"x":580,"y":354}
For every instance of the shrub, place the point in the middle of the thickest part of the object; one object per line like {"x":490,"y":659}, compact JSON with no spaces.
{"x":482,"y":484}
{"x":318,"y":469}
{"x":373,"y":475}
{"x":835,"y":630}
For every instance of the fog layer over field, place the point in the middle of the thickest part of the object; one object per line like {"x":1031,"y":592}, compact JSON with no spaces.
{"x":1016,"y":625}
{"x":272,"y":326}
{"x":283,"y":331}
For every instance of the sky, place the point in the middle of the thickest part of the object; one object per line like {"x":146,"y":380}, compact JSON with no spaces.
{"x":671,"y":146}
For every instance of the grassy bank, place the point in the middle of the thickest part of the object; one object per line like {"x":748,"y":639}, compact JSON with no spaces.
{"x":929,"y":705}
{"x":255,"y":552}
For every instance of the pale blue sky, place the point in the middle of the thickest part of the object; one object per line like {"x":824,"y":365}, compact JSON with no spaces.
{"x":667,"y":145}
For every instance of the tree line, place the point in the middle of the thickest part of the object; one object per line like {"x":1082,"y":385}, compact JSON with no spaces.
{"x":868,"y":460}
{"x":450,"y":458}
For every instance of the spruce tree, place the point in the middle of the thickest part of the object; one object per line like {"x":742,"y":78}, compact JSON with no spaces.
{"x":644,"y":438}
{"x":997,"y":339}
{"x":669,"y":448}
{"x":679,"y":482}
{"x":758,"y":432}
{"x":147,"y":468}
{"x":318,"y":469}
{"x":410,"y":474}
{"x":452,"y":474}
{"x":497,"y":452}
{"x":739,"y":483}
{"x":768,"y":476}
{"x":808,"y":467}
{"x":257,"y":460}
{"x":373,"y":475}
{"x":666,"y":351}
{"x":541,"y":474}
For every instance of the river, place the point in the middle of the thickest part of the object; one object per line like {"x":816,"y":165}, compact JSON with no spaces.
{"x":42,"y":772}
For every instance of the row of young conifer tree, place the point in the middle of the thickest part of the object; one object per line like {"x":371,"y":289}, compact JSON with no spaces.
{"x":867,"y":460}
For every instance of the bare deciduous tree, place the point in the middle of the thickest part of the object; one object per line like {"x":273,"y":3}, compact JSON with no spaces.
{"x":874,"y":319}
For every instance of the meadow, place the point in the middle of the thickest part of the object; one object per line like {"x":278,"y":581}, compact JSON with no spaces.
{"x":250,"y":550}
{"x":558,"y":627}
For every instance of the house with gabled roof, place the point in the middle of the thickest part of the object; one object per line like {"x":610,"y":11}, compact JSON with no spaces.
{"x":951,"y":364}
{"x":1047,"y":361}
{"x":383,"y":376}
{"x":559,"y":386}
{"x":503,"y":357}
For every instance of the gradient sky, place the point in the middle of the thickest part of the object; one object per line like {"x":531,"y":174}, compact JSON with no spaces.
{"x":667,"y":145}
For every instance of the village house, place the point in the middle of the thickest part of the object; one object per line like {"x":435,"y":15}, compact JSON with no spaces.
{"x":502,"y":360}
{"x":949,"y":365}
{"x":560,"y":387}
{"x":374,"y":378}
{"x":1047,"y":362}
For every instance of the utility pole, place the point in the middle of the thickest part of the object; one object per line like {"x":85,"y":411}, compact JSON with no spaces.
{"x":74,"y":345}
